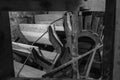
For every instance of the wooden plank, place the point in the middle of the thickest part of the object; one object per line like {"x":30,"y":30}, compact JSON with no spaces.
{"x":22,"y":49}
{"x":33,"y":31}
{"x":38,"y":27}
{"x":28,"y":71}
{"x":48,"y":17}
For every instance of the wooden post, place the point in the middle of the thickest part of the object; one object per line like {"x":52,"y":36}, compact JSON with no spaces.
{"x":108,"y":49}
{"x":6,"y":59}
{"x":116,"y":68}
{"x":74,"y":38}
{"x":74,"y":46}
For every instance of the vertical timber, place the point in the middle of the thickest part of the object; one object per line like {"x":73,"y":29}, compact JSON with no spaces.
{"x":74,"y":42}
{"x":6,"y":60}
{"x":116,"y":69}
{"x":109,"y":33}
{"x":74,"y":38}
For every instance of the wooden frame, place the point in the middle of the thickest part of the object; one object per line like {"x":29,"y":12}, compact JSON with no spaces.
{"x":109,"y":30}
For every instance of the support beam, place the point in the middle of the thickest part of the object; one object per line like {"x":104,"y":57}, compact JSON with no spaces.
{"x":116,"y":69}
{"x":108,"y":49}
{"x":6,"y":59}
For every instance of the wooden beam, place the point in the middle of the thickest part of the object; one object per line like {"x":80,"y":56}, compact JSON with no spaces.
{"x":46,"y":79}
{"x":74,"y":44}
{"x":108,"y":48}
{"x":23,"y":49}
{"x":116,"y":68}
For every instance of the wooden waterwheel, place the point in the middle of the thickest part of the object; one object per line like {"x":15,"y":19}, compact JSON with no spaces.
{"x":83,"y":32}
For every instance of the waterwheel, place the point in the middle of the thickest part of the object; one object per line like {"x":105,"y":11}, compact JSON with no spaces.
{"x":89,"y":32}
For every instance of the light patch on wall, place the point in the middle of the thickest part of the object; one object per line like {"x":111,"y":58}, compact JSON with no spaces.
{"x":95,"y":5}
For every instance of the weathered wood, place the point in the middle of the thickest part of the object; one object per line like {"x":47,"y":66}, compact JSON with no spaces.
{"x":6,"y":63}
{"x":41,"y":61}
{"x":100,"y":27}
{"x":74,"y":42}
{"x":33,"y":31}
{"x":48,"y":18}
{"x":20,"y":6}
{"x":80,"y":22}
{"x":28,"y":71}
{"x":24,"y":49}
{"x":71,"y":61}
{"x":45,"y":79}
{"x":116,"y":67}
{"x":108,"y":49}
{"x":88,"y":22}
{"x":95,"y":23}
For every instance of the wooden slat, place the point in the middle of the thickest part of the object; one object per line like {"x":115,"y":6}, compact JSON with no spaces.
{"x":38,"y":27}
{"x":80,"y":22}
{"x":33,"y":31}
{"x":28,"y":71}
{"x":22,"y":49}
{"x":100,"y":27}
{"x":48,"y":17}
{"x":95,"y":23}
{"x":33,"y":36}
{"x":87,"y":22}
